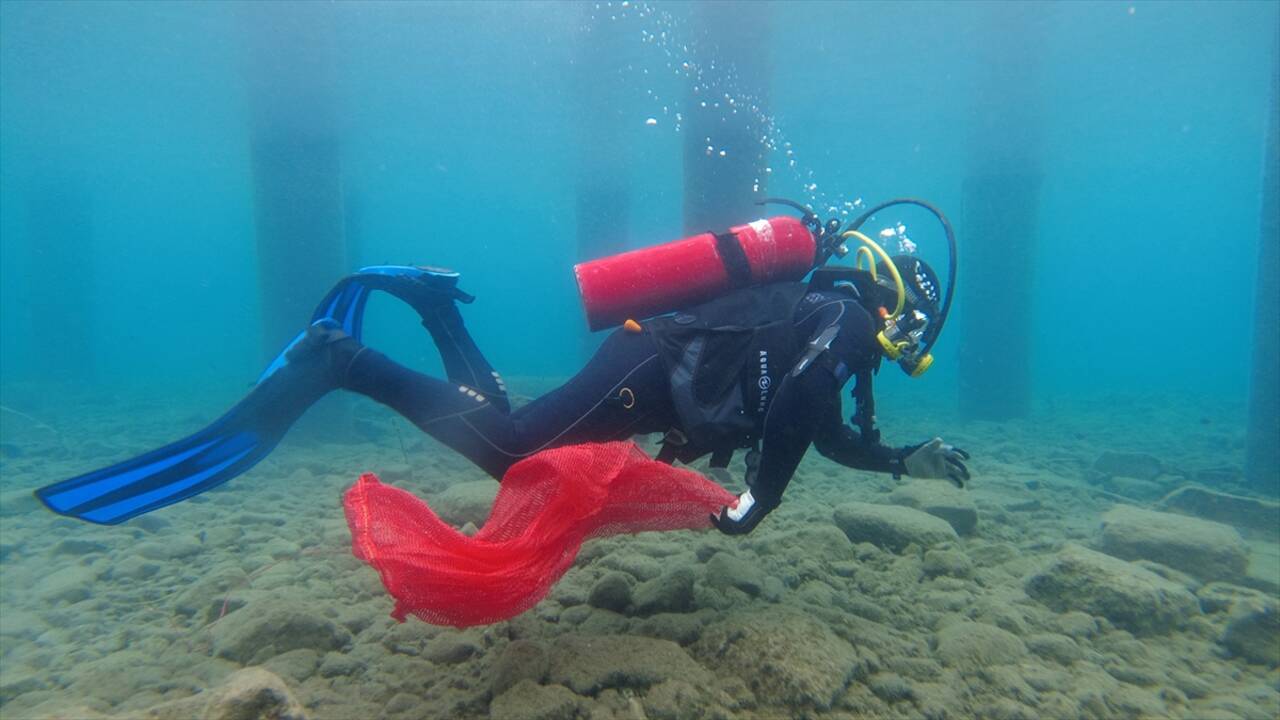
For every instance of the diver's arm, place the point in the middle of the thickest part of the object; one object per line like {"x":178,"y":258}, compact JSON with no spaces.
{"x":840,"y":443}
{"x":930,"y":459}
{"x":789,"y":428}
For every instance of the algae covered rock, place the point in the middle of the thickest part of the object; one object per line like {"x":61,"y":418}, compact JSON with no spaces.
{"x":786,"y":658}
{"x":970,"y":646}
{"x":527,"y":700}
{"x":1253,"y":631}
{"x":522,"y":660}
{"x":940,"y":499}
{"x":1131,"y":597}
{"x":892,"y":527}
{"x":589,"y":664}
{"x":611,"y":592}
{"x":670,"y":592}
{"x":725,"y":571}
{"x":1237,"y":510}
{"x":467,"y":502}
{"x":251,"y":694}
{"x":950,"y":563}
{"x":257,"y":632}
{"x":1202,"y":548}
{"x":1142,"y":466}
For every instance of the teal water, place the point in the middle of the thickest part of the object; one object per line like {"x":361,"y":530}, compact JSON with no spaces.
{"x":459,"y":144}
{"x":130,"y":313}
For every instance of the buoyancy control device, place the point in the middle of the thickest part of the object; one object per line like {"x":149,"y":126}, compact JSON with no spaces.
{"x":652,"y":281}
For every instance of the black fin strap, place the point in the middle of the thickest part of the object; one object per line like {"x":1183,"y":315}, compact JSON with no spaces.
{"x":721,"y":458}
{"x":667,"y":453}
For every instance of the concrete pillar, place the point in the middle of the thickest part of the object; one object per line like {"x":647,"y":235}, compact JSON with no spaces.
{"x":1000,"y":216}
{"x":602,"y":202}
{"x":1262,"y":441}
{"x":731,"y":44}
{"x":295,"y":153}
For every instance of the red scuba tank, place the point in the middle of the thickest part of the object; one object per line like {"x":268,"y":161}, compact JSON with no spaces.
{"x":659,"y":279}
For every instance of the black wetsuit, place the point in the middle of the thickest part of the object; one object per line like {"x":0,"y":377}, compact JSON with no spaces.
{"x":625,"y":390}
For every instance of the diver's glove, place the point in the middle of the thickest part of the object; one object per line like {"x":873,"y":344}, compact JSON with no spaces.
{"x":741,"y":519}
{"x":935,"y":459}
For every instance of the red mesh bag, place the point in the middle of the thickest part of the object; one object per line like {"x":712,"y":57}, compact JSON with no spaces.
{"x":547,"y":505}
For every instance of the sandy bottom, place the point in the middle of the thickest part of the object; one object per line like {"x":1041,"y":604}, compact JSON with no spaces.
{"x":793,"y":620}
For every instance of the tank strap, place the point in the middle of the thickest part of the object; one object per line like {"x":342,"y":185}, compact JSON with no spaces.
{"x":735,"y":260}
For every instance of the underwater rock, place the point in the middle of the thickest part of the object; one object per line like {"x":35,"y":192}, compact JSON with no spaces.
{"x":337,"y":664}
{"x":295,"y":665}
{"x":521,"y":660}
{"x":971,"y":646}
{"x":823,"y":543}
{"x":1135,"y":489}
{"x":77,"y":546}
{"x":589,"y":664}
{"x":949,"y":563}
{"x":787,"y":659}
{"x":15,"y":503}
{"x":1221,"y":475}
{"x":260,"y":631}
{"x":467,"y":502}
{"x":1076,"y":624}
{"x":450,"y":649}
{"x":70,"y":584}
{"x":1253,"y":631}
{"x":253,"y":694}
{"x":1219,"y":596}
{"x":940,"y":499}
{"x":680,"y":628}
{"x":1202,"y":548}
{"x":611,"y":592}
{"x":891,"y":687}
{"x":1236,"y":510}
{"x":1128,"y":464}
{"x":725,"y":571}
{"x":1132,"y":598}
{"x":670,"y":592}
{"x":892,"y":527}
{"x":170,"y":548}
{"x":527,"y":700}
{"x":1058,"y":648}
{"x":677,"y":700}
{"x":204,"y":598}
{"x":641,"y":567}
{"x":19,"y":682}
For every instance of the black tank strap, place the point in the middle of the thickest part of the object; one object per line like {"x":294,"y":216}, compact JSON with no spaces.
{"x":735,"y":260}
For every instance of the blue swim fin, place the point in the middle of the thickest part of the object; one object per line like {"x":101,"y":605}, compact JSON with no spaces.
{"x":345,"y":303}
{"x":230,"y":446}
{"x":249,"y":431}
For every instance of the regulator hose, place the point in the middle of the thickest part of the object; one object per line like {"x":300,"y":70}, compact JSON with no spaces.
{"x":935,"y":329}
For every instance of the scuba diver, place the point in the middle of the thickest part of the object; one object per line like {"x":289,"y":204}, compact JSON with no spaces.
{"x":759,"y":367}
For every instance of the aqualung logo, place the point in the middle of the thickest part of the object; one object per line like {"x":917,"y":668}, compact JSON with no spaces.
{"x":765,"y":382}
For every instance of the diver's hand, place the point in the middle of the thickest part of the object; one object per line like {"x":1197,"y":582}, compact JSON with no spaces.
{"x":936,"y":459}
{"x":741,"y":519}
